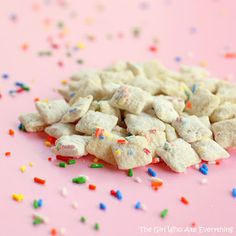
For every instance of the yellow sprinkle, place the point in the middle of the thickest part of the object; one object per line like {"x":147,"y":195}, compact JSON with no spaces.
{"x":117,"y":152}
{"x":18,"y":197}
{"x":47,"y":144}
{"x":23,"y":169}
{"x":45,"y":100}
{"x":95,"y":160}
{"x":31,"y":164}
{"x":64,"y":81}
{"x":80,"y":45}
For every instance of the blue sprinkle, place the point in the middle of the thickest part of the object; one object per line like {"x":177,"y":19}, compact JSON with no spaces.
{"x":205,"y":166}
{"x":101,"y":137}
{"x":19,"y":84}
{"x":138,"y":205}
{"x":5,"y":76}
{"x":119,"y":195}
{"x":194,"y":87}
{"x":102,"y":206}
{"x":234,"y":192}
{"x":152,"y":172}
{"x":178,"y":59}
{"x":40,"y":202}
{"x":203,"y":170}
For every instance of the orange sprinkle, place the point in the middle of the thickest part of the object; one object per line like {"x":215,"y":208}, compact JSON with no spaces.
{"x":36,"y":99}
{"x":184,"y":200}
{"x":156,"y":184}
{"x":11,"y":132}
{"x":188,"y":105}
{"x":7,"y":154}
{"x":121,"y":141}
{"x":218,"y":162}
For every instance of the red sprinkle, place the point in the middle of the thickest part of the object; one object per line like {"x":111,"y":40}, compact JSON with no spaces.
{"x":188,"y":105}
{"x":92,"y":187}
{"x":39,"y":181}
{"x":193,"y":224}
{"x":121,"y":141}
{"x":230,"y":55}
{"x":49,"y":159}
{"x":52,"y":140}
{"x":53,"y":231}
{"x":113,"y":193}
{"x":153,"y":48}
{"x":184,"y":200}
{"x":218,"y":162}
{"x":7,"y":154}
{"x":64,"y":159}
{"x":146,"y":151}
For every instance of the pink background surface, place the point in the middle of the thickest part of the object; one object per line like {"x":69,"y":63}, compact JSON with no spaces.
{"x":197,"y":31}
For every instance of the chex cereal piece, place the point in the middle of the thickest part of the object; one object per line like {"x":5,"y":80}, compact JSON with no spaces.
{"x":133,"y":154}
{"x":155,"y":139}
{"x":194,"y":72}
{"x":71,"y":146}
{"x":178,"y":103}
{"x":203,"y":103}
{"x":100,"y":146}
{"x":118,"y":66}
{"x":65,"y":92}
{"x":129,"y":98}
{"x":171,"y":135}
{"x":135,"y":68}
{"x":209,"y":150}
{"x":59,"y":129}
{"x":93,"y":120}
{"x":227,"y":92}
{"x":109,"y":89}
{"x":205,"y":121}
{"x":152,"y":87}
{"x":117,"y":130}
{"x":164,"y":110}
{"x":119,"y":77}
{"x":225,"y":111}
{"x":78,"y":109}
{"x":33,"y":122}
{"x":174,"y":88}
{"x":88,"y":74}
{"x":225,"y":133}
{"x":105,"y":107}
{"x":178,"y":155}
{"x":191,"y":129}
{"x":52,"y":111}
{"x":139,"y":124}
{"x":90,"y":87}
{"x":153,"y":69}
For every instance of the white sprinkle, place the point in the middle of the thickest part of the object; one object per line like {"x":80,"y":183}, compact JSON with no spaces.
{"x":138,"y":180}
{"x":203,"y":181}
{"x":212,"y":162}
{"x":143,"y":207}
{"x":63,"y":231}
{"x":64,"y":192}
{"x":75,"y":205}
{"x":197,"y":166}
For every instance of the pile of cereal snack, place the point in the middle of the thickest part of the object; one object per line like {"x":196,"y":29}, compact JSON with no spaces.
{"x":133,"y":114}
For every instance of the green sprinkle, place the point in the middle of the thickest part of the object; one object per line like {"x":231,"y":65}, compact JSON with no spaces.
{"x":164,"y":213}
{"x":96,"y":226}
{"x":62,"y":165}
{"x":79,"y":180}
{"x":26,"y":88}
{"x":37,"y":221}
{"x":35,"y":204}
{"x":71,"y":162}
{"x":130,"y":172}
{"x":94,"y":165}
{"x":82,"y":219}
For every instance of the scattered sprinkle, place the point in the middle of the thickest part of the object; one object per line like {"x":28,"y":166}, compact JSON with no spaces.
{"x":138,"y":180}
{"x":96,"y":226}
{"x":82,"y":219}
{"x":64,"y":192}
{"x":11,"y":132}
{"x":95,"y":165}
{"x":102,"y":206}
{"x":184,"y":200}
{"x":79,"y":180}
{"x":18,"y":197}
{"x":75,"y":205}
{"x":234,"y":192}
{"x":62,"y":164}
{"x":137,"y":205}
{"x":164,"y":213}
{"x":23,"y":169}
{"x":119,"y":195}
{"x":130,"y":172}
{"x":39,"y":181}
{"x":204,"y":169}
{"x":7,"y":154}
{"x":92,"y":187}
{"x":151,"y":172}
